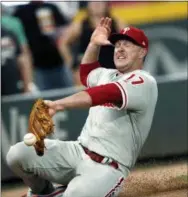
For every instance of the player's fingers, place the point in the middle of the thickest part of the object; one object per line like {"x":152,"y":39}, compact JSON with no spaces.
{"x":47,"y":102}
{"x":52,"y":112}
{"x":102,"y":21}
{"x":106,"y":21}
{"x":108,"y":32}
{"x":109,"y":22}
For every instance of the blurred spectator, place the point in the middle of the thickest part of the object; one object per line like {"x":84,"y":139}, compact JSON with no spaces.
{"x":14,"y":68}
{"x":13,"y":24}
{"x":43,"y":23}
{"x":82,"y":30}
{"x":68,"y":8}
{"x":82,"y":4}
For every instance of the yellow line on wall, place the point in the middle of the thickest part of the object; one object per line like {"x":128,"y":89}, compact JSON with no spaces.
{"x":147,"y":13}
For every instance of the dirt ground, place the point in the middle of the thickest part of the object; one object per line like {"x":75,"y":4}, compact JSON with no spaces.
{"x":176,"y":193}
{"x":161,"y":181}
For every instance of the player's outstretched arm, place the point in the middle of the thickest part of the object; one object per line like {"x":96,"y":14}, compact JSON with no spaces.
{"x":98,"y":95}
{"x":98,"y":38}
{"x":78,"y":100}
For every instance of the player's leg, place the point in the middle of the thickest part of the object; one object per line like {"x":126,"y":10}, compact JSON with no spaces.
{"x":57,"y":165}
{"x":95,"y":180}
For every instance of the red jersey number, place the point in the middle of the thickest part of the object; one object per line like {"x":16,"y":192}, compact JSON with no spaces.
{"x":135,"y":79}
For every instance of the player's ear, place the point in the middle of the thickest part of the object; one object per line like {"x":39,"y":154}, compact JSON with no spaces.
{"x":142,"y":53}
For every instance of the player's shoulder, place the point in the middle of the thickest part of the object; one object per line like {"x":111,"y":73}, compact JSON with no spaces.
{"x":102,"y":72}
{"x":107,"y":72}
{"x":148,"y":76}
{"x":139,"y":78}
{"x":106,"y":75}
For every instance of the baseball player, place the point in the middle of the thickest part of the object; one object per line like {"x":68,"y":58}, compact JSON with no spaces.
{"x":122,"y":103}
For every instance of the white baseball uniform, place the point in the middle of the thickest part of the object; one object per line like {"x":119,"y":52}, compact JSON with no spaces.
{"x":117,"y":132}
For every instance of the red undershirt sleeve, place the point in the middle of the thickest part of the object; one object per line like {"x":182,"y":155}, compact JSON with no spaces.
{"x":102,"y":94}
{"x":85,"y":69}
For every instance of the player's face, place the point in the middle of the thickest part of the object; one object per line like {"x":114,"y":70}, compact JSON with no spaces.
{"x":127,"y":55}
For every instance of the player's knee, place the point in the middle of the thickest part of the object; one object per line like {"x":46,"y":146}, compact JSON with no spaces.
{"x":16,"y":155}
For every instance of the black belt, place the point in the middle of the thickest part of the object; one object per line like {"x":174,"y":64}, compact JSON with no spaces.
{"x":100,"y":159}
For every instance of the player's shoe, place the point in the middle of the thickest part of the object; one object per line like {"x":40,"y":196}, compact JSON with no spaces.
{"x":58,"y":192}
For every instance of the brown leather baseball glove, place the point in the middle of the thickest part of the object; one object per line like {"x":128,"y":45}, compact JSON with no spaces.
{"x":40,"y":124}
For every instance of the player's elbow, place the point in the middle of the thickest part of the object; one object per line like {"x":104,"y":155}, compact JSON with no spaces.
{"x":84,"y":72}
{"x":83,"y":78}
{"x":85,"y":69}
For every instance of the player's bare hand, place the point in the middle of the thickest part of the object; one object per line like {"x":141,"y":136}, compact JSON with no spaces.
{"x":102,"y":32}
{"x":52,"y":107}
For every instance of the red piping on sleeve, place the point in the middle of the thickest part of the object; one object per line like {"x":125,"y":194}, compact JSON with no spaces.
{"x":124,"y":95}
{"x":102,"y":94}
{"x":85,"y":69}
